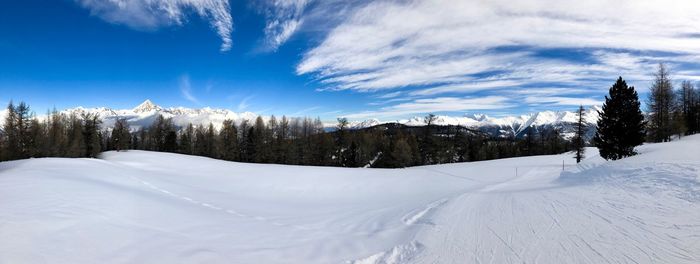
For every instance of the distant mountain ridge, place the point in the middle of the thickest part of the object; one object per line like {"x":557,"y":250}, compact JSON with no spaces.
{"x":144,"y":114}
{"x":510,"y":126}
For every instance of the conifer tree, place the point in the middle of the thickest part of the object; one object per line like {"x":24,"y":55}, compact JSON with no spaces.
{"x":401,"y":153}
{"x":578,"y":141}
{"x":186,"y":140}
{"x":12,"y":143}
{"x":228,"y":137}
{"x":36,"y":143}
{"x":621,"y":123}
{"x":199,"y":146}
{"x":24,"y":117}
{"x":341,"y":142}
{"x":428,"y":144}
{"x":661,"y":99}
{"x":76,"y":142}
{"x":91,"y":135}
{"x":211,"y":141}
{"x":259,"y":137}
{"x":56,"y":138}
{"x":121,"y":137}
{"x":244,"y":141}
{"x":688,"y":101}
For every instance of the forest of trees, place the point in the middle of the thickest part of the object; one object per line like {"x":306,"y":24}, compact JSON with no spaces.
{"x":672,"y":111}
{"x":300,"y":141}
{"x":303,"y":141}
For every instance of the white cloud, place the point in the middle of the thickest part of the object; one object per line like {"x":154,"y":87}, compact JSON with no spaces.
{"x":305,"y":111}
{"x":551,"y":91}
{"x":186,"y":90}
{"x":396,"y":44}
{"x":284,"y":17}
{"x":152,"y":14}
{"x":467,"y":87}
{"x":390,"y":95}
{"x":562,"y":101}
{"x":435,"y":105}
{"x":243,"y":105}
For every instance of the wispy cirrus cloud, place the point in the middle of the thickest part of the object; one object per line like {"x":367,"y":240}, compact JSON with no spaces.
{"x":152,"y":14}
{"x":305,"y":111}
{"x":562,"y":101}
{"x":244,"y":104}
{"x":283,"y":19}
{"x":490,"y":48}
{"x":436,"y":105}
{"x":186,"y":89}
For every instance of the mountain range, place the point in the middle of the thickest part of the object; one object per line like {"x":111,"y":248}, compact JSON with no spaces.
{"x":509,"y":126}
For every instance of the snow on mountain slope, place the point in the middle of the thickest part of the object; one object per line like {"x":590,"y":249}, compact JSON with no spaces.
{"x":145,"y":207}
{"x":504,"y":126}
{"x":144,"y":114}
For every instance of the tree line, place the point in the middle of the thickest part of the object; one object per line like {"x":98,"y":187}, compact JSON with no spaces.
{"x":24,"y":136}
{"x":622,"y":126}
{"x":304,"y":141}
{"x":296,"y":141}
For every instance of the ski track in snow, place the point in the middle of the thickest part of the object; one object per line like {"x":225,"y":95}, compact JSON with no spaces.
{"x":513,"y":221}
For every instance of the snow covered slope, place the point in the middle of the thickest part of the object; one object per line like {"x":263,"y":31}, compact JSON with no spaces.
{"x":145,"y":207}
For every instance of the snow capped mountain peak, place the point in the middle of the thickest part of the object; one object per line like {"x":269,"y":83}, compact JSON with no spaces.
{"x":478,"y":117}
{"x":504,"y":126}
{"x":147,"y":106}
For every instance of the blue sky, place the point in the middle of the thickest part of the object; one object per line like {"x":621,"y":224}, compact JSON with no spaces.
{"x":360,"y":59}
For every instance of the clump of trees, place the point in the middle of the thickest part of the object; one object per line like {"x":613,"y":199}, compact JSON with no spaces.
{"x":672,"y":112}
{"x":23,"y":135}
{"x":622,"y":125}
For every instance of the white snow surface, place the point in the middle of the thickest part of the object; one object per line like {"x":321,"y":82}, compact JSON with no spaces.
{"x":146,"y":207}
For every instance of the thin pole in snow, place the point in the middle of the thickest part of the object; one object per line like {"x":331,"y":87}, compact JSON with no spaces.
{"x":516,"y":171}
{"x":562,"y":165}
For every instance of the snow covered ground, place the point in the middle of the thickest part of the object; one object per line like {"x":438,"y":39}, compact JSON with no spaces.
{"x":144,"y":207}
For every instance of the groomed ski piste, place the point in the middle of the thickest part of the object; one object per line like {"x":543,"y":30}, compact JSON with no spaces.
{"x":147,"y":207}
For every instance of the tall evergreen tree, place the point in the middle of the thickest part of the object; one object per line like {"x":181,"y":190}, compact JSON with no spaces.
{"x":186,"y":140}
{"x":91,"y":134}
{"x":428,"y":144}
{"x":621,"y":123}
{"x":200,"y":146}
{"x":121,"y":136}
{"x":12,"y":148}
{"x":228,"y":137}
{"x":57,"y":138}
{"x":259,"y":136}
{"x":37,"y":140}
{"x":24,"y":117}
{"x":342,"y":142}
{"x":578,"y":141}
{"x":76,"y":142}
{"x":211,"y":141}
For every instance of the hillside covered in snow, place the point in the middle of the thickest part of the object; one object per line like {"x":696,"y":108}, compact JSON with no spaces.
{"x":147,"y":207}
